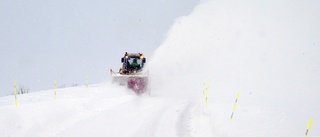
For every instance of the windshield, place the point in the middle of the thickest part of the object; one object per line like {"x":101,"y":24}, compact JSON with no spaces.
{"x":139,"y":61}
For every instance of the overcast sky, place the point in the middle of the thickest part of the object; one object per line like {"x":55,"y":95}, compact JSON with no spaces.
{"x":46,"y":40}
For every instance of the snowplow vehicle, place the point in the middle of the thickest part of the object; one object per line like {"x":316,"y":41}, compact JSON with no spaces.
{"x":131,"y":74}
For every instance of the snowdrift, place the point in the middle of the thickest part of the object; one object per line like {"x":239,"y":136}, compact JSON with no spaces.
{"x":266,"y":50}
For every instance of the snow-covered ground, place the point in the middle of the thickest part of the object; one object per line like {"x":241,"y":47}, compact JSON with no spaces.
{"x":268,"y":51}
{"x":102,"y":110}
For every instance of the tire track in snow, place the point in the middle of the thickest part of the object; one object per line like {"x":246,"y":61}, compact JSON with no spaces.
{"x":182,"y":125}
{"x":171,"y":118}
{"x":194,"y":121}
{"x":150,"y":125}
{"x":86,"y":110}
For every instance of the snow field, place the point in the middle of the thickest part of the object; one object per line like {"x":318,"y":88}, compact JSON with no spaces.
{"x":266,"y":50}
{"x":106,"y":109}
{"x":114,"y":111}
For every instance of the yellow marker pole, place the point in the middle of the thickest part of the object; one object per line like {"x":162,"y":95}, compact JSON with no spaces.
{"x":205,"y":94}
{"x":87,"y":82}
{"x":308,"y":128}
{"x":15,"y":93}
{"x":234,"y":106}
{"x":203,"y":91}
{"x":55,"y":89}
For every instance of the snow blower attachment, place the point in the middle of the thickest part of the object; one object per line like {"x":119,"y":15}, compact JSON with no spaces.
{"x":130,"y":74}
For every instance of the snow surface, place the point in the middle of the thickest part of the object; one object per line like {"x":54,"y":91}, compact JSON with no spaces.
{"x":266,"y":50}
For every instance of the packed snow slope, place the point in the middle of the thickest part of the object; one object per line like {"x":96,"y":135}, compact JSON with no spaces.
{"x":265,"y":50}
